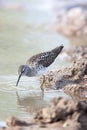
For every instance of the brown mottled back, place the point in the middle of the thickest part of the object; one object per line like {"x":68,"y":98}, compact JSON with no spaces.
{"x":45,"y":59}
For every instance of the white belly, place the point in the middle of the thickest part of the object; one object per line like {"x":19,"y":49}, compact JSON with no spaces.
{"x":40,"y":71}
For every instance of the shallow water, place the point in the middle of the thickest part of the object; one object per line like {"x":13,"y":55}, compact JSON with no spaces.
{"x":23,"y":33}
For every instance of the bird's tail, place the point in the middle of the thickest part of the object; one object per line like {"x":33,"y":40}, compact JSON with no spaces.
{"x":57,"y":50}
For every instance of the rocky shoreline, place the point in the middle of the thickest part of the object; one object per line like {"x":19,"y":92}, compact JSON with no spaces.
{"x":61,"y":113}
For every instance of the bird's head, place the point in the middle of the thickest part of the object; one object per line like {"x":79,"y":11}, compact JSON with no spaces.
{"x":22,"y":70}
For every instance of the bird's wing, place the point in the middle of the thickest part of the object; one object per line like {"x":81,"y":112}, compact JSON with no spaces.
{"x":44,"y":59}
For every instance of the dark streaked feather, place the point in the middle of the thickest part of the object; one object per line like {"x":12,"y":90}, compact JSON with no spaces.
{"x":45,"y":59}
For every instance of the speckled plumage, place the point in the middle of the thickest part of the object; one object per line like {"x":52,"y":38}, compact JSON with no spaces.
{"x":38,"y":62}
{"x":45,"y":59}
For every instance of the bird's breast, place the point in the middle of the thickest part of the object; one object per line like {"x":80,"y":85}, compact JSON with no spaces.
{"x":40,"y":70}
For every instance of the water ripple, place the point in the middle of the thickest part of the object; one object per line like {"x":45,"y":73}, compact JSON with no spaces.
{"x":8,"y":83}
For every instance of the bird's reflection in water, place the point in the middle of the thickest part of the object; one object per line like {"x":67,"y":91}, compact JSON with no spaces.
{"x":30,"y":103}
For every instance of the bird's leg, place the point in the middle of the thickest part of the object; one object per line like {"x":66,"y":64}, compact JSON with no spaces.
{"x":41,"y":85}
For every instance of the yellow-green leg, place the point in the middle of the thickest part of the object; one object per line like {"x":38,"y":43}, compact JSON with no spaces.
{"x":41,"y":85}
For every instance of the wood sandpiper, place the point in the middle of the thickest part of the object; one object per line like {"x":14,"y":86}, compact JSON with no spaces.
{"x":36,"y":65}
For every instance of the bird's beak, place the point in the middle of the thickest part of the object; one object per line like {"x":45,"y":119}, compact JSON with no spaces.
{"x":18,"y":79}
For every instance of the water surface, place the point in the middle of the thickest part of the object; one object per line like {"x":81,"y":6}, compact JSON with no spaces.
{"x":24,"y":32}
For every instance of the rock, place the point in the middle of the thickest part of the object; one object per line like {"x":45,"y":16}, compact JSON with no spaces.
{"x":56,"y":111}
{"x":61,"y":114}
{"x":77,"y":92}
{"x":66,"y":112}
{"x":73,"y":20}
{"x":76,"y":52}
{"x":13,"y":121}
{"x":75,"y":74}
